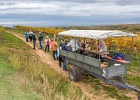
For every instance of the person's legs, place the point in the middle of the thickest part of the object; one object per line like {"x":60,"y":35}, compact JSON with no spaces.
{"x":26,"y":39}
{"x":48,"y":47}
{"x":64,"y":63}
{"x":56,"y":55}
{"x":45,"y":48}
{"x":41,"y":46}
{"x":34,"y":44}
{"x":31,"y":39}
{"x":54,"y":52}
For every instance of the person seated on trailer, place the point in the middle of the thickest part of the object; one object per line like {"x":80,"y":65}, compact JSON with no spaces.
{"x":103,"y":47}
{"x":82,"y":47}
{"x":86,"y":45}
{"x":73,"y":44}
{"x":103,"y":50}
{"x":92,"y":45}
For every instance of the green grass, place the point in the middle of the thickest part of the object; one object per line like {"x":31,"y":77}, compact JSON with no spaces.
{"x":22,"y":60}
{"x":61,"y":85}
{"x":9,"y":86}
{"x":103,"y":88}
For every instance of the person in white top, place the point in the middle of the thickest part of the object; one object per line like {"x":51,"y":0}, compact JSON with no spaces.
{"x":47,"y":44}
{"x":103,"y":46}
{"x":30,"y":35}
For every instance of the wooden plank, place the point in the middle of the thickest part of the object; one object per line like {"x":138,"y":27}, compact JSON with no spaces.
{"x":115,"y":71}
{"x":80,"y":57}
{"x":87,"y":67}
{"x":92,"y":61}
{"x":96,"y":70}
{"x":85,"y":59}
{"x":71,"y":55}
{"x":63,"y":52}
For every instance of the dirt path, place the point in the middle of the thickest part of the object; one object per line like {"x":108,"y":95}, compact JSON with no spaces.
{"x":47,"y":58}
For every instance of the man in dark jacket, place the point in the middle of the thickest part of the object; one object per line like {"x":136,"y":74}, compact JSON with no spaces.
{"x":64,"y":47}
{"x":34,"y":41}
{"x":40,"y":38}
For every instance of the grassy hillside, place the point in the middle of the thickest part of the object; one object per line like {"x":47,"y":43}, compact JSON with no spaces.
{"x":102,"y":88}
{"x":25,"y":77}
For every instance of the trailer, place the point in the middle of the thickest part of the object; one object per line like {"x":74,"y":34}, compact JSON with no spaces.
{"x":114,"y":69}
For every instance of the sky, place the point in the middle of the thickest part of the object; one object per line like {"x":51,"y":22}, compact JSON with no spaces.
{"x":69,"y":12}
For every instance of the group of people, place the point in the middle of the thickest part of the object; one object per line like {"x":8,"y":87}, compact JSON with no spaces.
{"x":64,"y":45}
{"x":94,"y":45}
{"x":32,"y":37}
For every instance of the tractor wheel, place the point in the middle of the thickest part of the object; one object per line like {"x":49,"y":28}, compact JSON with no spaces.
{"x":79,"y":72}
{"x":73,"y":75}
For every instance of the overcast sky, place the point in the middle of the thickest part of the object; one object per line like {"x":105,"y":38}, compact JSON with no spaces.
{"x":69,"y":12}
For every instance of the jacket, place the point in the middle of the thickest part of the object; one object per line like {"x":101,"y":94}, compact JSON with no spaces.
{"x":54,"y":45}
{"x":40,"y":38}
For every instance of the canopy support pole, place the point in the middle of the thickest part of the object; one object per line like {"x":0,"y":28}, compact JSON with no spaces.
{"x":132,"y":42}
{"x":99,"y":48}
{"x":137,"y":55}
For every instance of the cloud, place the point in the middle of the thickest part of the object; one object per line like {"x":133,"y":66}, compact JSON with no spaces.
{"x":69,"y":9}
{"x":117,"y":2}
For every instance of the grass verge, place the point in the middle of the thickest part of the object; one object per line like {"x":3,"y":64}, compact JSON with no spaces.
{"x":45,"y":81}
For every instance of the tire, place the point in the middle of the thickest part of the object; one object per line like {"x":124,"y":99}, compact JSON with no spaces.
{"x":79,"y":72}
{"x":73,"y":75}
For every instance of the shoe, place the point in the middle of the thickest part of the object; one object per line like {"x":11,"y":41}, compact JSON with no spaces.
{"x":66,"y":69}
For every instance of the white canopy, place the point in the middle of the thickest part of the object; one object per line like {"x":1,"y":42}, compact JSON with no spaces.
{"x":96,"y":34}
{"x":74,"y":44}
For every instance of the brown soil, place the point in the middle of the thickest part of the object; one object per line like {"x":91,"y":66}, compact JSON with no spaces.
{"x":85,"y":88}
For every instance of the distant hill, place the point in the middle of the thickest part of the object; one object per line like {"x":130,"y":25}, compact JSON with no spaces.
{"x":124,"y":27}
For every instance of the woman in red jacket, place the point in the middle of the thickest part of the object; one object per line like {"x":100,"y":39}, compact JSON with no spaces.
{"x":47,"y":43}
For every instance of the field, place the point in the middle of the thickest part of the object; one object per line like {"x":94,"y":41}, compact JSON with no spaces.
{"x":24,"y":75}
{"x":99,"y":88}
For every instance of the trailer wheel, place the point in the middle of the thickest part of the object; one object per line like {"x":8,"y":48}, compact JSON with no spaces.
{"x":73,"y":75}
{"x":139,"y":97}
{"x":79,"y":72}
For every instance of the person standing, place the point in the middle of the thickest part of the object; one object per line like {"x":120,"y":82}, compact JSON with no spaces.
{"x":34,"y":41}
{"x":54,"y":48}
{"x":64,"y":58}
{"x":26,"y":35}
{"x":47,"y":43}
{"x":40,"y":38}
{"x":30,"y":35}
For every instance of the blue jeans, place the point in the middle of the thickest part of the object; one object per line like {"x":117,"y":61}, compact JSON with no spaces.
{"x":54,"y":55}
{"x":40,"y":43}
{"x":64,"y":63}
{"x":26,"y":39}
